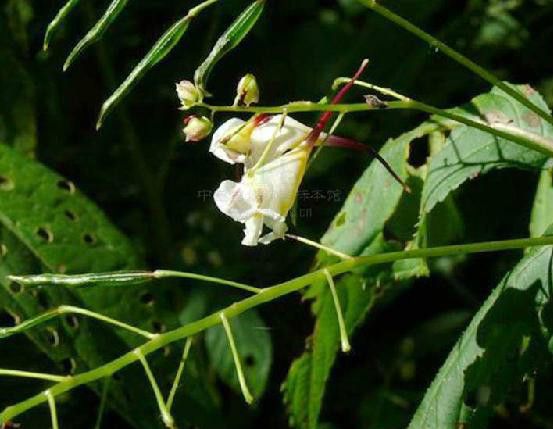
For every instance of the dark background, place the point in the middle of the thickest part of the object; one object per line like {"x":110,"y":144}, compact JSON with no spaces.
{"x":140,"y":171}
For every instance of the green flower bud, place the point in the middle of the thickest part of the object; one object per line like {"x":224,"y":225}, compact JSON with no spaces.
{"x":196,"y":128}
{"x":247,"y":91}
{"x":188,"y":94}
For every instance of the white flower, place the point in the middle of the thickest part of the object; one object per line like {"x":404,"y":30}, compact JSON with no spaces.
{"x":238,"y":141}
{"x":264,"y":196}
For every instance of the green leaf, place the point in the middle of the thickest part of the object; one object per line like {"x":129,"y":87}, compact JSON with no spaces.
{"x":470,"y":152}
{"x":306,"y":381}
{"x":254,"y":346}
{"x":228,"y":41}
{"x":373,"y":199}
{"x":357,"y":229}
{"x":161,"y":48}
{"x":46,"y":224}
{"x":95,"y":33}
{"x":504,"y":342}
{"x":57,"y":21}
{"x":542,"y":211}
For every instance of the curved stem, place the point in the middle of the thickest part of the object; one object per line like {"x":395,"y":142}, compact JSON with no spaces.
{"x":266,"y":295}
{"x":509,"y":132}
{"x":68,"y":309}
{"x":456,"y":56}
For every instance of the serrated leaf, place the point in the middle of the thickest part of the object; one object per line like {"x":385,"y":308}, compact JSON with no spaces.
{"x":232,"y":36}
{"x":542,"y":210}
{"x":357,"y":229}
{"x":373,"y":199}
{"x":95,"y":33}
{"x":306,"y":381}
{"x":470,"y":152}
{"x":254,"y":346}
{"x":503,"y":342}
{"x":57,"y":21}
{"x":161,"y":48}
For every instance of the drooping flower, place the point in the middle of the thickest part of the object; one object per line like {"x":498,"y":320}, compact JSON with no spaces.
{"x":196,"y":128}
{"x":264,"y":196}
{"x":243,"y":142}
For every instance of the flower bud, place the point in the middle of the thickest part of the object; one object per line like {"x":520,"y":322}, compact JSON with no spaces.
{"x":188,"y":93}
{"x":247,"y":91}
{"x":196,"y":128}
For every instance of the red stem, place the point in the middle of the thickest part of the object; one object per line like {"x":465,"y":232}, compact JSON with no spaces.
{"x":325,"y":117}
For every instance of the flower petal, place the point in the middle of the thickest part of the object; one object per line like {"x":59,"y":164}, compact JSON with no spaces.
{"x":219,"y":149}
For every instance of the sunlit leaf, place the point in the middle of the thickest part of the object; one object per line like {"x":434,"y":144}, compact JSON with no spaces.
{"x":470,"y":152}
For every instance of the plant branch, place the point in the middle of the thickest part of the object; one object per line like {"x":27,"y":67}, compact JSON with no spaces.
{"x":456,"y":56}
{"x":266,"y":295}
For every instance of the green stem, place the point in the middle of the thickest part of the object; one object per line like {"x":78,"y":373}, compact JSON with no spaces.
{"x":103,"y":402}
{"x":35,"y":375}
{"x":52,"y":405}
{"x":178,"y":376}
{"x":236,"y":357}
{"x":165,"y":414}
{"x":346,"y":347}
{"x":266,"y":295}
{"x":68,"y":309}
{"x":509,"y":132}
{"x":456,"y":56}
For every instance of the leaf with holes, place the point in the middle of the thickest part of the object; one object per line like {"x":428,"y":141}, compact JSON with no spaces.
{"x":48,"y":225}
{"x":357,"y":229}
{"x":96,"y":32}
{"x":254,"y":346}
{"x":470,"y":152}
{"x":229,"y":40}
{"x":505,"y":341}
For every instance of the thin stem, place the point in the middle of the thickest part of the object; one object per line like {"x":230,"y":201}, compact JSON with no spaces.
{"x":103,"y":402}
{"x":178,"y":376}
{"x":120,"y":278}
{"x":384,"y":91}
{"x":456,"y":56}
{"x":52,"y":406}
{"x":68,"y":309}
{"x":266,"y":295}
{"x":35,"y":375}
{"x":165,"y":414}
{"x":320,"y":246}
{"x":517,"y":135}
{"x":241,"y":378}
{"x":158,"y":274}
{"x":346,"y":347}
